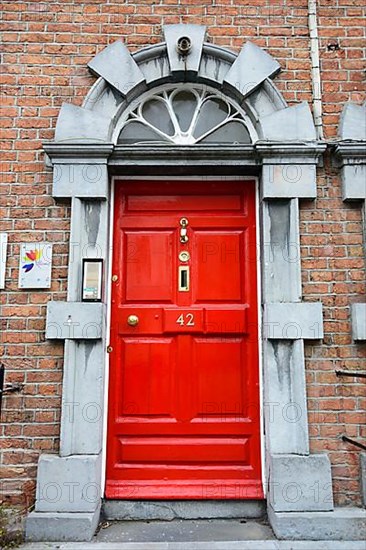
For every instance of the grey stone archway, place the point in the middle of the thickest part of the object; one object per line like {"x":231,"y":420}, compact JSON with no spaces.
{"x":84,"y":154}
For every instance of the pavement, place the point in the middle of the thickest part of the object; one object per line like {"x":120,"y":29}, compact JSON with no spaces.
{"x":191,"y":535}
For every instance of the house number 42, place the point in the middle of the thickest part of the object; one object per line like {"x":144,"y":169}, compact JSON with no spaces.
{"x":186,"y":320}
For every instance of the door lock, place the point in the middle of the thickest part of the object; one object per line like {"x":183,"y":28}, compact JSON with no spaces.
{"x":183,"y":232}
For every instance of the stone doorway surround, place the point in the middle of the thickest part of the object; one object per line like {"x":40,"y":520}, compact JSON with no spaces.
{"x":84,"y":155}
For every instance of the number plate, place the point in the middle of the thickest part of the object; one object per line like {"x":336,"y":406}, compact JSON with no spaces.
{"x":183,"y":320}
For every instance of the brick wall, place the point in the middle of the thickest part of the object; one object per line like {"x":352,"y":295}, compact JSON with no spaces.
{"x":46,"y":48}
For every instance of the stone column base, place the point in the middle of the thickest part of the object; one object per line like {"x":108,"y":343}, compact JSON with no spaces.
{"x":300,"y":483}
{"x":68,"y":499}
{"x":340,"y":524}
{"x":61,"y":526}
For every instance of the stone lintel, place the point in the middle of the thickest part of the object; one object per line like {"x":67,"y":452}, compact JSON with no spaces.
{"x":68,"y":484}
{"x":196,"y":34}
{"x":359,"y":321}
{"x":285,"y":152}
{"x":346,"y":524}
{"x":292,"y":321}
{"x":300,"y":483}
{"x":117,"y":66}
{"x":74,"y":152}
{"x":161,"y":155}
{"x":74,"y":320}
{"x":61,"y":526}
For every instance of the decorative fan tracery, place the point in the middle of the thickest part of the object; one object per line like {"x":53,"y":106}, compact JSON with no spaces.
{"x":185,"y":116}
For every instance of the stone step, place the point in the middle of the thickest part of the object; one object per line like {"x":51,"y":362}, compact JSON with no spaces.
{"x":129,"y":510}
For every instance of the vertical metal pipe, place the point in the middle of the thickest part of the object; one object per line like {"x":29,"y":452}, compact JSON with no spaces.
{"x":2,"y":374}
{"x":315,"y":68}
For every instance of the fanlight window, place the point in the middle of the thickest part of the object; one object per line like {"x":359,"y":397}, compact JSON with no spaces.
{"x":185,"y":116}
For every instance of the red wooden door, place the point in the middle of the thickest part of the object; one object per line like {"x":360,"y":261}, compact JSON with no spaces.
{"x":184,"y":382}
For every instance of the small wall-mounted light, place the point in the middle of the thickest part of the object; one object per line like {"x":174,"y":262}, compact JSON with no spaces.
{"x":92,"y":280}
{"x":184,"y":45}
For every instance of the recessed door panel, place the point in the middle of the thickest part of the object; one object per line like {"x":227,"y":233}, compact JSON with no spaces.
{"x":149,"y":266}
{"x":147,"y":367}
{"x":184,"y":381}
{"x":218,"y":363}
{"x":218,"y":268}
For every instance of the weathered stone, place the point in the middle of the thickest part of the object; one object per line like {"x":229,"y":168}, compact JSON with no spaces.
{"x":74,"y":320}
{"x":129,"y":510}
{"x":352,"y":124}
{"x":79,"y":170}
{"x":285,"y":407}
{"x":153,"y":63}
{"x":300,"y":483}
{"x":82,"y":398}
{"x":212,"y":70}
{"x":341,"y":524}
{"x":292,"y":123}
{"x":63,"y":526}
{"x":68,"y":484}
{"x":359,"y":321}
{"x":293,"y":320}
{"x":281,"y":269}
{"x":252,"y":66}
{"x":363,"y":477}
{"x":354,"y":181}
{"x":288,"y":181}
{"x":117,"y":66}
{"x":196,"y":34}
{"x":80,"y":180}
{"x":77,"y":124}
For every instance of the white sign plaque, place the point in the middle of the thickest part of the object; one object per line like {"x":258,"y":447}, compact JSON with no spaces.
{"x":35,"y":265}
{"x":3,"y":246}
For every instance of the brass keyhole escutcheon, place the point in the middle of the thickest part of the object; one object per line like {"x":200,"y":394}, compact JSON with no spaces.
{"x":183,"y":232}
{"x":132,"y":320}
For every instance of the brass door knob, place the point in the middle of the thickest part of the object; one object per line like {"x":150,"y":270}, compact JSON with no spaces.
{"x":132,"y":320}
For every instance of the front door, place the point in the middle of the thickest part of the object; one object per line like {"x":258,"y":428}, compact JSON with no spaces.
{"x":184,"y":375}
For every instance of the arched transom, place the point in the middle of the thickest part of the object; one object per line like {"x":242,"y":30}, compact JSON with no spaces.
{"x":184,"y":115}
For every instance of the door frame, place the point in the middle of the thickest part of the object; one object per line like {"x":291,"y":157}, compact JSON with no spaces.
{"x":109,"y":304}
{"x":84,"y":156}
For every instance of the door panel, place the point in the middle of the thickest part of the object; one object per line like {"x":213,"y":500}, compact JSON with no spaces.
{"x":218,"y":269}
{"x":184,"y":391}
{"x":149,"y":361}
{"x":149,"y":266}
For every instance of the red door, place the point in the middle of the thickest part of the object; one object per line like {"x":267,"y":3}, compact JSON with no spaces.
{"x":184,"y":377}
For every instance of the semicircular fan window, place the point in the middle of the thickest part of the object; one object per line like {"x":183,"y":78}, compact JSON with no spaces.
{"x":185,"y":116}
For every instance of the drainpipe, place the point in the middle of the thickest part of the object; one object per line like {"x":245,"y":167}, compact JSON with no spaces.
{"x":315,"y":68}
